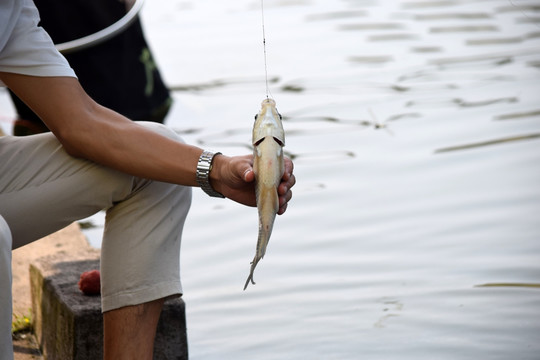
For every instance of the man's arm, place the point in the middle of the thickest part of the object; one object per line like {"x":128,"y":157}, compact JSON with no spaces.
{"x":88,"y":130}
{"x":91,"y":131}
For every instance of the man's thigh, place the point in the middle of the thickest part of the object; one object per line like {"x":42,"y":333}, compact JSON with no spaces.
{"x":43,"y":189}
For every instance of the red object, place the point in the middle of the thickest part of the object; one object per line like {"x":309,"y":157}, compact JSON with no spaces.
{"x":89,"y":283}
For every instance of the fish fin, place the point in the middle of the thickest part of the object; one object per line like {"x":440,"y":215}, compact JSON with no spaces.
{"x":250,"y":277}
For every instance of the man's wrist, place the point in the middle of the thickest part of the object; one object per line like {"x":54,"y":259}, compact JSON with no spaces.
{"x":204,"y":173}
{"x":214,"y":176}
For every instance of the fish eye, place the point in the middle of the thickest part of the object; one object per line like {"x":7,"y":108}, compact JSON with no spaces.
{"x":280,"y":117}
{"x":256,"y":116}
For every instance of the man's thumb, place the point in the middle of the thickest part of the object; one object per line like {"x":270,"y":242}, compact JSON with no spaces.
{"x":248,"y":174}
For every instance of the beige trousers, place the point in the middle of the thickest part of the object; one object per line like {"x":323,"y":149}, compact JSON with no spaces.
{"x":43,"y":189}
{"x":6,"y":347}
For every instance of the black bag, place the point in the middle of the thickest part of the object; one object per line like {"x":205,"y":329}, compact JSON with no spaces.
{"x":119,"y":73}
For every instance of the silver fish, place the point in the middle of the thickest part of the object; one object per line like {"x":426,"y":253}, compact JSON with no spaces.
{"x":268,"y":142}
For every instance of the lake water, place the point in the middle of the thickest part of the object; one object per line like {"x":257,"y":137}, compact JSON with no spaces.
{"x":414,"y":232}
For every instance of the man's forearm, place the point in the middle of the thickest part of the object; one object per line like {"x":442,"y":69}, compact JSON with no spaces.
{"x":88,"y":130}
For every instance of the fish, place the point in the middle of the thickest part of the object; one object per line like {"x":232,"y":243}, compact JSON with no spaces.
{"x":268,"y":142}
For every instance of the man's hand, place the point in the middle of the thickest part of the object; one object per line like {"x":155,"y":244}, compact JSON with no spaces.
{"x":234,"y":178}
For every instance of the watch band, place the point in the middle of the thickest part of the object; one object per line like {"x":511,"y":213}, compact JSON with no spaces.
{"x":204,"y":167}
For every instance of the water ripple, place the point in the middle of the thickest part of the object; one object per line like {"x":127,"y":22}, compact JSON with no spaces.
{"x":523,"y":285}
{"x":375,"y":59}
{"x":372,"y":26}
{"x":519,"y":115}
{"x":465,"y":103}
{"x":489,"y":143}
{"x":501,"y":41}
{"x":218,"y":83}
{"x":393,"y":37}
{"x":463,"y":28}
{"x":428,"y":4}
{"x":317,"y":157}
{"x":336,"y":15}
{"x":516,"y":7}
{"x":452,"y":16}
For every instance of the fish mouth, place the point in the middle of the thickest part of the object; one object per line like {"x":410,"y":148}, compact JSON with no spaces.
{"x":268,"y":101}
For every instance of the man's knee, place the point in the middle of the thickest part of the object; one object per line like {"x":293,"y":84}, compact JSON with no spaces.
{"x":5,"y":236}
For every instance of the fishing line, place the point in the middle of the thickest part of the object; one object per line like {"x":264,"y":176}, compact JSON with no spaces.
{"x":264,"y":50}
{"x":523,"y":12}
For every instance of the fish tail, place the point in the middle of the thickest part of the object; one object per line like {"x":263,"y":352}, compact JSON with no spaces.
{"x":259,"y":253}
{"x":250,"y":277}
{"x":266,"y":223}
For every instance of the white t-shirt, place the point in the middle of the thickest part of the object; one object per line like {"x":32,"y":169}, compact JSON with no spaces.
{"x":26,"y":48}
{"x":9,"y":12}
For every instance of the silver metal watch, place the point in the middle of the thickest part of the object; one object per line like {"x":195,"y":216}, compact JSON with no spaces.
{"x":203,"y":172}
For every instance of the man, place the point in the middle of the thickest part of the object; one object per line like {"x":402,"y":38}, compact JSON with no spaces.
{"x":95,"y":158}
{"x":119,"y":73}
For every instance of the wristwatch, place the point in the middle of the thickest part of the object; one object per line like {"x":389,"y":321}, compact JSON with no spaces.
{"x":204,"y":167}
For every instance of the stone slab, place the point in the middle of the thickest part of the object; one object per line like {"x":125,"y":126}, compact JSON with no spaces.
{"x":69,"y":242}
{"x":69,"y":324}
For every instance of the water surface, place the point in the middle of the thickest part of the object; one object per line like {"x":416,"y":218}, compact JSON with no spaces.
{"x":415,"y":128}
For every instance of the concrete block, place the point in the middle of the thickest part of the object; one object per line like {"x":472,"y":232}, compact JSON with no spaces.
{"x":69,"y":325}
